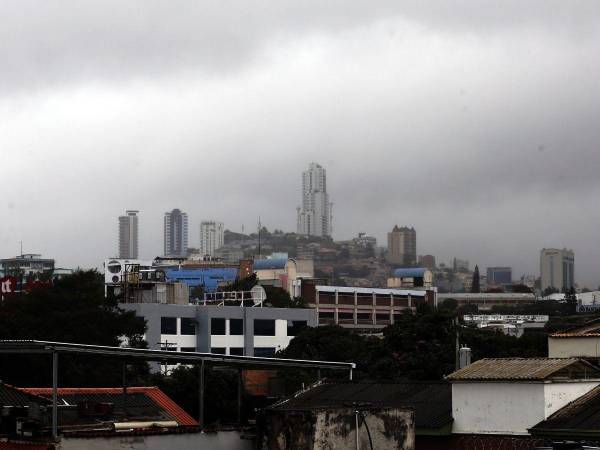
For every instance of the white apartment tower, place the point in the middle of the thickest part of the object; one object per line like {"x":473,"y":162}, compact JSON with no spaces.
{"x":211,"y":237}
{"x":128,"y":235}
{"x":176,"y":234}
{"x":557,"y":269}
{"x":314,"y":217}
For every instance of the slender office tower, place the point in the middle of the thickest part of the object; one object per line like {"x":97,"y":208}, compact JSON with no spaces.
{"x":176,"y":234}
{"x":128,"y":235}
{"x":315,"y":215}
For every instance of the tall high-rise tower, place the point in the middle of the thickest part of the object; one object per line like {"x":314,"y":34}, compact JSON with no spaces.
{"x":315,"y":215}
{"x":402,"y":246}
{"x":557,"y":269}
{"x":128,"y":235}
{"x":211,"y":237}
{"x":176,"y":233}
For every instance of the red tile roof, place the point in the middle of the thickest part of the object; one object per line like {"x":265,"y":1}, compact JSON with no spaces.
{"x":154,"y":393}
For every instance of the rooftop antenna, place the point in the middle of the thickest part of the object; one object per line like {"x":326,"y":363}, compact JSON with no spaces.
{"x":21,"y":242}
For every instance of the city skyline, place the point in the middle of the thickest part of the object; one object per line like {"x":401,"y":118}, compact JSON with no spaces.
{"x":460,"y":124}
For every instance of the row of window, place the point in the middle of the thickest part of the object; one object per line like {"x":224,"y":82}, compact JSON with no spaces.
{"x":348,"y":316}
{"x":265,"y":352}
{"x":219,"y":326}
{"x":168,"y":325}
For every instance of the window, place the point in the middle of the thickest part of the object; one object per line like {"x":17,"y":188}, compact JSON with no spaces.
{"x":382,"y":317}
{"x":218,"y":350}
{"x":236,"y":351}
{"x":188,"y":326}
{"x":364,"y":317}
{"x":168,"y":325}
{"x":265,"y":352}
{"x":264,"y":327}
{"x":188,"y":349}
{"x":236,"y":327}
{"x":295,"y":326}
{"x":217,"y":326}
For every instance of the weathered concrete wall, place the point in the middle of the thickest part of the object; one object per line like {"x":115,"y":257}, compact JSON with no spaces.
{"x":224,"y":440}
{"x":336,"y":429}
{"x":573,"y":346}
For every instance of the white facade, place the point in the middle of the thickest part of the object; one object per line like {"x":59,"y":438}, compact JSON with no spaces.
{"x":176,"y":233}
{"x":128,"y":235}
{"x":574,"y":346}
{"x":557,"y":269}
{"x":230,"y":330}
{"x":211,"y":237}
{"x":510,"y":407}
{"x":315,"y":215}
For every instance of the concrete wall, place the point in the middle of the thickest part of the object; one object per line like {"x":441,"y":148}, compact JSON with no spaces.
{"x":558,"y":395}
{"x":497,"y":408}
{"x":228,"y":440}
{"x":511,"y":407}
{"x":336,"y":429}
{"x":573,"y":346}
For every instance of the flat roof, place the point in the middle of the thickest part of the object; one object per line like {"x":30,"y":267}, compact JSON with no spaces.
{"x":360,"y":290}
{"x":40,"y":347}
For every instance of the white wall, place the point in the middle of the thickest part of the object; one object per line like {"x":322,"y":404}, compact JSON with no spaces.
{"x":558,"y":395}
{"x":497,"y":408}
{"x":510,"y":407}
{"x":573,"y":346}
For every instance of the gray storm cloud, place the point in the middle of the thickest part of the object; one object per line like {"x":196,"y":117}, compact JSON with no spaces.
{"x":476,"y":122}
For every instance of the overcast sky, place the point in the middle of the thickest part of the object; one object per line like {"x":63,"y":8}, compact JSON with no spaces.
{"x":475,"y":122}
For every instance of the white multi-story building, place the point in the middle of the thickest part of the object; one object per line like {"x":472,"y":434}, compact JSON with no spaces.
{"x":557,"y":269}
{"x":211,"y":237}
{"x":128,"y":235}
{"x":227,"y":330}
{"x":315,"y":215}
{"x":176,"y":233}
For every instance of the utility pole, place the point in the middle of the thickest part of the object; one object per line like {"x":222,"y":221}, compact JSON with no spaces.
{"x":259,"y":230}
{"x":457,"y":361}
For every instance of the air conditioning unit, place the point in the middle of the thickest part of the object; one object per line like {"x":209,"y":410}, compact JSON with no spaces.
{"x":114,"y":269}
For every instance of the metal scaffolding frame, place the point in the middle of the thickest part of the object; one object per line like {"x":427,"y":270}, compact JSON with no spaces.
{"x":26,"y":347}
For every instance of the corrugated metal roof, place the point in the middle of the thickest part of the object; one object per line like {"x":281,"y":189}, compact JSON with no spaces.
{"x":410,"y":272}
{"x":11,"y":396}
{"x":135,"y":399}
{"x":514,"y":369}
{"x":12,"y":445}
{"x":270,"y":264}
{"x":431,"y":401}
{"x":581,"y":415}
{"x":209,"y":277}
{"x":359,"y":290}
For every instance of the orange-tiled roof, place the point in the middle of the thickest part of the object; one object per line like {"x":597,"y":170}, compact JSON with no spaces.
{"x":588,"y":329}
{"x":154,"y":393}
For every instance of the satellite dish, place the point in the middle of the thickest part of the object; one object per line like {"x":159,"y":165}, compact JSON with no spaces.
{"x":258,"y":294}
